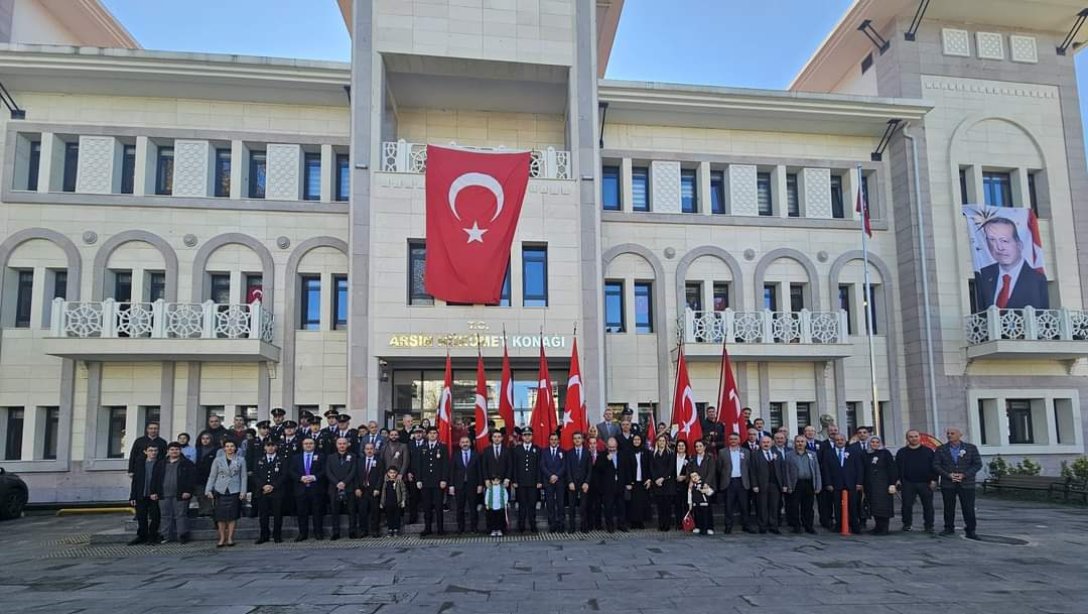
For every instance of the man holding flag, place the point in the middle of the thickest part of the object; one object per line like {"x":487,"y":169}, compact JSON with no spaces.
{"x":730,"y":414}
{"x":684,"y":415}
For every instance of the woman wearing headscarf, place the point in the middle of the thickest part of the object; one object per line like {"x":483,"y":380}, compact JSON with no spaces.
{"x":881,"y":475}
{"x":638,"y":460}
{"x":663,"y":487}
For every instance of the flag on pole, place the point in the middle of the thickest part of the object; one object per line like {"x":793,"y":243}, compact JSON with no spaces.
{"x":506,"y":395}
{"x":543,"y":421}
{"x":863,"y":208}
{"x":444,"y":419}
{"x":481,"y":405}
{"x":651,"y":431}
{"x":684,"y":415}
{"x":729,"y":409}
{"x":574,"y":410}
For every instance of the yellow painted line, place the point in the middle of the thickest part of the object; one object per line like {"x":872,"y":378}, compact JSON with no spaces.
{"x":71,"y":511}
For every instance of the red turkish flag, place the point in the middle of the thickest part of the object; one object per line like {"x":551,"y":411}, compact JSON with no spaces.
{"x":481,"y":405}
{"x":574,"y":410}
{"x":684,"y":415}
{"x":444,"y":416}
{"x":474,"y":201}
{"x":729,"y":409}
{"x":543,"y":421}
{"x":651,"y":431}
{"x":506,"y":395}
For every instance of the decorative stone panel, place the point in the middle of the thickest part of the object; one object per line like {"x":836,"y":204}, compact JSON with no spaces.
{"x":1023,"y":49}
{"x":743,"y":195}
{"x":991,"y":45}
{"x":192,"y":168}
{"x":284,"y":172}
{"x":816,"y":194}
{"x":956,"y":42}
{"x":665,"y":186}
{"x":97,"y":161}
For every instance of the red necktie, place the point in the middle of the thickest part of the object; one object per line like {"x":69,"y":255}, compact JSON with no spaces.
{"x":1003,"y":296}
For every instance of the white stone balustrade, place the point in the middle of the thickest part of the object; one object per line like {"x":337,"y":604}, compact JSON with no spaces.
{"x":110,"y":319}
{"x":1028,"y":324}
{"x":809,"y":327}
{"x":404,"y":157}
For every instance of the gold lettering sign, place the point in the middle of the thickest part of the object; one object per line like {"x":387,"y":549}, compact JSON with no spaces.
{"x":472,"y":340}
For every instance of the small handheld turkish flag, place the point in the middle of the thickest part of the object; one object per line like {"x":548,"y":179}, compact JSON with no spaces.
{"x":474,"y":201}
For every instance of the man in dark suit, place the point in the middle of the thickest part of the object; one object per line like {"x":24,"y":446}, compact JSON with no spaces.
{"x":579,"y":470}
{"x":607,"y":428}
{"x":1009,"y":283}
{"x":496,"y":464}
{"x":368,"y":487}
{"x":432,"y":477}
{"x":714,"y":431}
{"x":372,"y":435}
{"x":270,"y":480}
{"x":734,"y":481}
{"x":611,"y":477}
{"x":526,"y":479}
{"x":307,"y":470}
{"x":142,"y":497}
{"x":957,"y":463}
{"x":149,"y":438}
{"x":173,"y":481}
{"x":415,"y":444}
{"x":275,"y":429}
{"x":761,"y":430}
{"x":466,"y":485}
{"x":767,"y":475}
{"x":341,"y":471}
{"x":844,"y":472}
{"x":553,"y":471}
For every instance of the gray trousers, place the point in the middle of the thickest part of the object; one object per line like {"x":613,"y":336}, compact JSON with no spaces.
{"x":175,"y":517}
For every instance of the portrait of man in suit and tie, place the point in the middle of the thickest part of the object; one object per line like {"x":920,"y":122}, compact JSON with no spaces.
{"x":1008,"y":267}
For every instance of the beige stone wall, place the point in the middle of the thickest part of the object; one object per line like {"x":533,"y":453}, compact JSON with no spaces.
{"x":481,"y":128}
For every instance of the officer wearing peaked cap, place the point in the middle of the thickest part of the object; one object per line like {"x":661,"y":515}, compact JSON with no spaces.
{"x":276,"y":427}
{"x":527,"y":482}
{"x":270,"y":484}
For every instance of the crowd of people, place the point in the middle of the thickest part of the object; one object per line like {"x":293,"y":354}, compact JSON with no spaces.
{"x":611,"y":478}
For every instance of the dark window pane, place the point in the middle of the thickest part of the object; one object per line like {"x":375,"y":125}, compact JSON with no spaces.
{"x":13,"y":444}
{"x":797,"y":297}
{"x":222,"y":173}
{"x":417,"y":262}
{"x":258,"y":166}
{"x":1033,"y":195}
{"x":613,"y":307}
{"x":693,"y":295}
{"x":610,"y":188}
{"x":963,"y":187}
{"x":71,"y":166}
{"x":872,"y":308}
{"x":122,"y":286}
{"x":793,"y":200}
{"x":846,"y":304}
{"x":219,"y":288}
{"x":60,"y":284}
{"x":776,"y":415}
{"x":838,"y":211}
{"x":534,"y":273}
{"x":717,"y":192}
{"x":1021,"y":429}
{"x":982,"y":433}
{"x":35,"y":161}
{"x":24,"y":298}
{"x":254,"y":288}
{"x":644,"y":312}
{"x":49,"y":436}
{"x":865,"y":193}
{"x":770,"y":297}
{"x":311,"y":187}
{"x":851,"y":417}
{"x":689,"y":199}
{"x":310,"y":303}
{"x":115,"y":432}
{"x":804,"y":415}
{"x":128,"y":169}
{"x":997,"y":189}
{"x":640,"y":189}
{"x":721,"y":296}
{"x":343,"y":177}
{"x":340,"y":302}
{"x":156,"y":286}
{"x":164,"y":172}
{"x":763,"y":193}
{"x":504,"y":298}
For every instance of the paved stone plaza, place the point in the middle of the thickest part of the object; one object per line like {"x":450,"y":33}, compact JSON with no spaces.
{"x":1032,"y":560}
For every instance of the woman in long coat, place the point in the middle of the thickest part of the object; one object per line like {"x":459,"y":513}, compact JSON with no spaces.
{"x":881,"y":475}
{"x":662,"y":467}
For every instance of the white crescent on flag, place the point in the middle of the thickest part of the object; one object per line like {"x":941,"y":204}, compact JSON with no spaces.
{"x":688,"y":403}
{"x":476,"y":179}
{"x":576,"y":380}
{"x":481,"y":429}
{"x":444,"y":405}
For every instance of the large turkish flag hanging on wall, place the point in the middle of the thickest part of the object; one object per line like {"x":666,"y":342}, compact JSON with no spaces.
{"x":474,"y":201}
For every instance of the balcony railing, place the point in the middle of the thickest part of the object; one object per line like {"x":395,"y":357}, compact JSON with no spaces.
{"x":1026,"y":324}
{"x":404,"y":157}
{"x":764,"y":326}
{"x":110,"y":319}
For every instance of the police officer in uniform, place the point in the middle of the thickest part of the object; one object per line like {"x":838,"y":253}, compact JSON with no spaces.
{"x":276,"y":429}
{"x":322,"y":441}
{"x":343,"y":429}
{"x":270,"y":483}
{"x":290,"y":443}
{"x":331,"y":417}
{"x":526,"y":479}
{"x":415,"y":444}
{"x":432,"y":476}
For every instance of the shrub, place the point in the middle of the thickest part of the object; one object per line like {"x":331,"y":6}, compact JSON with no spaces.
{"x":1026,"y":467}
{"x":1079,"y":468}
{"x":998,"y":467}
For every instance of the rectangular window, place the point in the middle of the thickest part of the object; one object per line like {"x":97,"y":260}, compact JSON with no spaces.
{"x":71,"y":166}
{"x":215,"y":410}
{"x":997,"y":189}
{"x":865,"y":194}
{"x":804,"y":415}
{"x":164,"y":172}
{"x":793,"y":199}
{"x":644,"y":310}
{"x":35,"y":162}
{"x":871,"y":304}
{"x":1033,"y":194}
{"x":693,"y":295}
{"x":311,"y":184}
{"x":689,"y":192}
{"x":851,"y":417}
{"x":258,"y":167}
{"x":775,"y":411}
{"x":972,"y":296}
{"x":13,"y":441}
{"x":417,"y":262}
{"x":1020,"y":424}
{"x":122,"y":286}
{"x":504,"y":297}
{"x":343,"y":177}
{"x":24,"y":298}
{"x":150,"y":413}
{"x":797,"y":297}
{"x":219,"y":288}
{"x":982,"y":435}
{"x":640,"y":189}
{"x":846,"y":303}
{"x":770,"y":297}
{"x":613,"y":307}
{"x":838,"y":209}
{"x":51,"y":416}
{"x":340,"y":302}
{"x":534,"y":275}
{"x":717,"y":192}
{"x":310,"y":302}
{"x":721,"y":295}
{"x":611,"y":194}
{"x":156,"y":286}
{"x":254,"y":288}
{"x":763,"y":192}
{"x":115,"y":431}
{"x":964,"y":199}
{"x":222,"y":173}
{"x":60,"y":284}
{"x":128,"y":169}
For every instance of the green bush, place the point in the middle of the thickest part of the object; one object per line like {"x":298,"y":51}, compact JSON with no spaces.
{"x":1066,"y":471}
{"x":998,"y":467}
{"x":1026,"y":467}
{"x":1079,"y":468}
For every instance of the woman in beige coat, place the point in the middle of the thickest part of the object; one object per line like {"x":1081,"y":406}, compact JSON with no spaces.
{"x":226,"y":485}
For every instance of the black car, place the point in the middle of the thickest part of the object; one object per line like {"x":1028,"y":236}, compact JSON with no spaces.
{"x":13,"y":495}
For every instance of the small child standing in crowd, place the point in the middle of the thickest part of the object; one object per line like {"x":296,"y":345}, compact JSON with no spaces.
{"x":393,"y":500}
{"x":699,"y":494}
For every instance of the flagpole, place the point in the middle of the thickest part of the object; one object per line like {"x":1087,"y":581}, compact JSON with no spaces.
{"x":865,"y":213}
{"x":676,"y":380}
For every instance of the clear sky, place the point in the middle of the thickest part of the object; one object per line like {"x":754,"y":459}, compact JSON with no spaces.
{"x":739,"y":43}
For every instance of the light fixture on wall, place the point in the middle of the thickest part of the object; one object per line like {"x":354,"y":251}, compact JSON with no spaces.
{"x":9,"y":102}
{"x":603,"y":108}
{"x":885,"y":139}
{"x":383,"y":370}
{"x":919,"y":14}
{"x":870,"y":32}
{"x":1069,"y":38}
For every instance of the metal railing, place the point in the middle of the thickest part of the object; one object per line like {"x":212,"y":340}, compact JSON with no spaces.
{"x":764,"y":326}
{"x":1027,"y":324}
{"x":404,"y":157}
{"x":110,"y":319}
